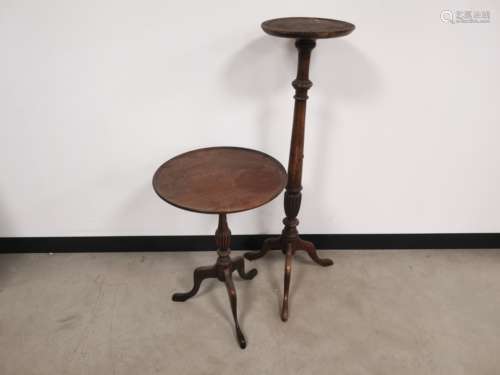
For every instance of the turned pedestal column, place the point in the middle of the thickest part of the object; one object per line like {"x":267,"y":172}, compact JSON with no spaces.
{"x":305,"y":31}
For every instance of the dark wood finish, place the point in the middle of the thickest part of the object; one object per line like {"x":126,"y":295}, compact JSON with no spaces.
{"x":222,"y":270}
{"x":307,"y":27}
{"x":220,"y":180}
{"x":306,"y":30}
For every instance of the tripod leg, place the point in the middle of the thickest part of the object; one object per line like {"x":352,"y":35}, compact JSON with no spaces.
{"x":231,"y":291}
{"x":239,"y":265}
{"x":310,"y":249}
{"x":288,"y":271}
{"x":200,"y":274}
{"x":273,"y":243}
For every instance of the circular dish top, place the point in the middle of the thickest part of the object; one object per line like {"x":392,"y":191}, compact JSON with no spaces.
{"x":220,"y":180}
{"x":307,"y":27}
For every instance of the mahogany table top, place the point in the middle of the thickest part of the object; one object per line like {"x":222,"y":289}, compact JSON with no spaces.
{"x":307,"y":27}
{"x":220,"y":180}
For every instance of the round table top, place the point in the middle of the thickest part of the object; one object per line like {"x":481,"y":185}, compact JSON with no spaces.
{"x":307,"y":27}
{"x":220,"y":180}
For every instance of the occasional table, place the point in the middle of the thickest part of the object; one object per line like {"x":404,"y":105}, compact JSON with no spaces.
{"x":220,"y":180}
{"x":305,"y":30}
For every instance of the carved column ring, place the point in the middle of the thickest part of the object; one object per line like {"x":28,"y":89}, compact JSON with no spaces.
{"x":302,"y":84}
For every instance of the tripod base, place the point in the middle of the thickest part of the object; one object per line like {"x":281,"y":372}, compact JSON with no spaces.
{"x":288,"y":247}
{"x":221,"y":270}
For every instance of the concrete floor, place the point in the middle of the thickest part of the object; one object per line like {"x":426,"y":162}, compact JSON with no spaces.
{"x":373,"y":312}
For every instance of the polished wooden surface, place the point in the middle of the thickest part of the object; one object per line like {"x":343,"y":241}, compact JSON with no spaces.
{"x":307,"y":27}
{"x":222,"y":270}
{"x":220,"y":180}
{"x":306,"y":31}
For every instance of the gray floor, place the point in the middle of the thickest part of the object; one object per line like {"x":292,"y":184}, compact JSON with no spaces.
{"x":373,"y":312}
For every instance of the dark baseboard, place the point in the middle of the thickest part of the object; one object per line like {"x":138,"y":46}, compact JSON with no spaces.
{"x":248,"y":242}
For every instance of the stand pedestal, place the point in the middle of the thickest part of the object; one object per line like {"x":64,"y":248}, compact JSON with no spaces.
{"x":305,"y":31}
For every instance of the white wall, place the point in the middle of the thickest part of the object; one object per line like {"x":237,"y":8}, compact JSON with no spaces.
{"x":402,"y":128}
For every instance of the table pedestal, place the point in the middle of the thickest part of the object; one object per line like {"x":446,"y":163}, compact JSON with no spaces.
{"x":222,"y":270}
{"x":220,"y":180}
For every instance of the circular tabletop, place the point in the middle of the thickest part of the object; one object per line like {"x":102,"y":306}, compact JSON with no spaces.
{"x":220,"y":180}
{"x":307,"y":27}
